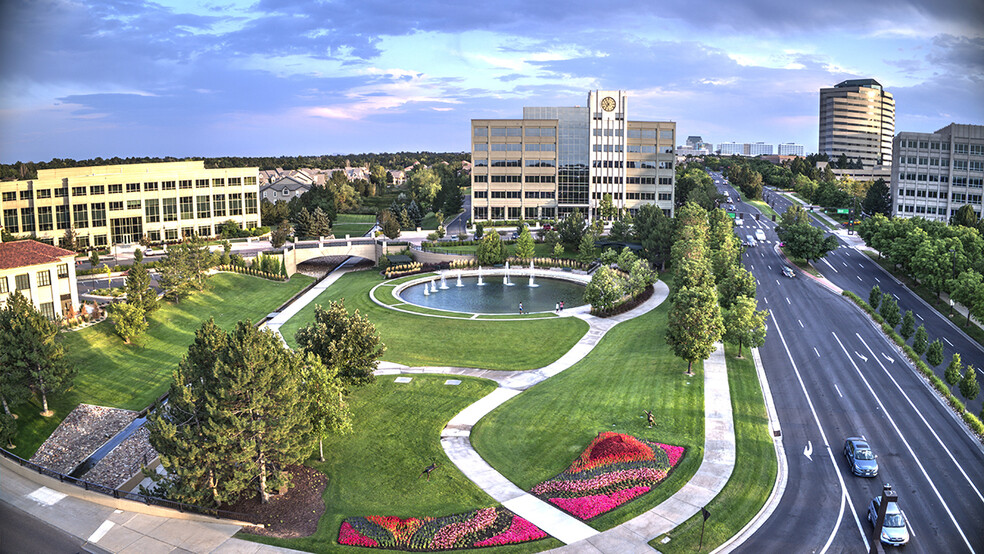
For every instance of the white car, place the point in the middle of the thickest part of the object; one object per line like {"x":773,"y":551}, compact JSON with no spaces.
{"x":749,"y":240}
{"x":760,"y":235}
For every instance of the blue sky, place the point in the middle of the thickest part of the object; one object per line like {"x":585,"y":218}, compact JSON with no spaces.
{"x":81,"y":79}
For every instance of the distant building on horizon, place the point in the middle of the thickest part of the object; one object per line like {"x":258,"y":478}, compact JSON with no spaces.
{"x":791,"y":149}
{"x":750,"y":149}
{"x":857,"y":119}
{"x":934,"y":174}
{"x":559,"y":159}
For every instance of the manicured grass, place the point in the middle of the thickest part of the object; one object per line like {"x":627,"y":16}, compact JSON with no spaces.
{"x":354,"y":225}
{"x":119,"y":375}
{"x":376,"y":469}
{"x":801,"y":264}
{"x":430,"y":341}
{"x":539,"y":433}
{"x":755,"y":467}
{"x":514,"y":316}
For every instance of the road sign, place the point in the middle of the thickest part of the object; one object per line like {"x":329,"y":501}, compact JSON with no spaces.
{"x":732,"y":215}
{"x":842,"y":210}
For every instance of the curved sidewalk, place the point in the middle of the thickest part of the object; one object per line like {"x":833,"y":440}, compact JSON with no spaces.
{"x":632,"y":536}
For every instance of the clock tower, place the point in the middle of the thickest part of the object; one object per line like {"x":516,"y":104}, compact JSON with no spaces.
{"x":607,"y":124}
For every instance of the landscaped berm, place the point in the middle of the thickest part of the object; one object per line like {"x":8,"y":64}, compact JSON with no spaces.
{"x":614,"y":469}
{"x":475,"y":529}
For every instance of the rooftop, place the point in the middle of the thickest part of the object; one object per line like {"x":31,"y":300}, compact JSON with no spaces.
{"x":23,"y":253}
{"x":870,"y":83}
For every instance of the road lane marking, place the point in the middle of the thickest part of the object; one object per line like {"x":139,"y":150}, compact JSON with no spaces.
{"x":800,"y":322}
{"x":845,"y":264}
{"x":788,"y":302}
{"x":889,"y":358}
{"x":896,"y":296}
{"x":823,"y":435}
{"x":815,"y":350}
{"x":808,"y":450}
{"x":766,"y":299}
{"x":838,"y":391}
{"x":948,"y":341}
{"x":831,"y":267}
{"x":860,"y":356}
{"x":859,"y":278}
{"x":920,"y":317}
{"x":876,"y":279}
{"x":901,"y":436}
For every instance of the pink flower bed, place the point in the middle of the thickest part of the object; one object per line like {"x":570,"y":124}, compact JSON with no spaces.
{"x":478,"y":528}
{"x":614,"y":469}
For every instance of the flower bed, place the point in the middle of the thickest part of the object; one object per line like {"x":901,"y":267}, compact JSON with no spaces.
{"x":475,"y":529}
{"x":612,"y":470}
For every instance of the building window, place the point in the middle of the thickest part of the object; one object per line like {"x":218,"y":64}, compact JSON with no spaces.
{"x":187,"y":208}
{"x":481,"y":194}
{"x":10,"y":220}
{"x":10,"y":196}
{"x":22,"y":282}
{"x":249,"y":181}
{"x":116,"y":206}
{"x":514,"y":213}
{"x":150,"y":187}
{"x":205,"y":231}
{"x":133,"y":204}
{"x":168,"y":185}
{"x":62,"y":220}
{"x":44,"y":193}
{"x":481,"y":212}
{"x":27,"y":220}
{"x":4,"y":287}
{"x":154,"y":236}
{"x":201,"y":183}
{"x":218,"y":182}
{"x":45,"y":221}
{"x":44,"y":278}
{"x":48,"y":309}
{"x":97,"y":189}
{"x":133,"y":187}
{"x":152,"y":210}
{"x":481,"y":131}
{"x":61,"y":193}
{"x":530,"y":213}
{"x":236,"y":204}
{"x":116,"y":189}
{"x":170,"y":234}
{"x":219,"y":205}
{"x":171,"y":209}
{"x":204,"y":207}
{"x":235,"y":181}
{"x":63,"y":271}
{"x":185,"y":184}
{"x":76,"y":191}
{"x":250,"y":203}
{"x":99,"y":214}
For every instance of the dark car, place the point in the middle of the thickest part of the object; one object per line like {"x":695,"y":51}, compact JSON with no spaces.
{"x":860,"y":457}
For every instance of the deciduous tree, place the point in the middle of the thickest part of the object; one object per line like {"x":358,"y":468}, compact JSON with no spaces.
{"x":806,"y":241}
{"x":328,"y":410}
{"x":934,"y":355}
{"x":908,"y":325}
{"x":921,"y":340}
{"x":605,"y":289}
{"x":744,"y":325}
{"x":969,"y":388}
{"x":878,"y":199}
{"x":128,"y":320}
{"x":875,"y":298}
{"x":525,"y":247}
{"x":655,"y":231}
{"x":953,"y":370}
{"x":890,"y":311}
{"x":346,"y":343}
{"x":694,"y":324}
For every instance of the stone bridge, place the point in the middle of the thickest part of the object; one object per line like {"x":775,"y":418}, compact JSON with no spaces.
{"x":361,"y":247}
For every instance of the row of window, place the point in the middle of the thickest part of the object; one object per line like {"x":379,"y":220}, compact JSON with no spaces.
{"x":152,"y":186}
{"x":482,"y":213}
{"x":535,"y":194}
{"x":23,"y":281}
{"x":958,"y":148}
{"x":943,"y":162}
{"x":208,"y":206}
{"x":960,"y":181}
{"x":516,"y":131}
{"x":954,"y":196}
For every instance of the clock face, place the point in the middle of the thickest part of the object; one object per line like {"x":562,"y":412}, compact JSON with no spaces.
{"x":608,"y":103}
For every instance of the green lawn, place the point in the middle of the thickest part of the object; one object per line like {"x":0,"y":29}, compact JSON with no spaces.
{"x":354,"y":225}
{"x":539,"y":433}
{"x":115,"y":374}
{"x":376,"y":469}
{"x":430,"y":341}
{"x":755,"y":468}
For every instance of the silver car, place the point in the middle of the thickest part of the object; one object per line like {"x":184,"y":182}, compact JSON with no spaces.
{"x":894,"y":530}
{"x":860,"y":457}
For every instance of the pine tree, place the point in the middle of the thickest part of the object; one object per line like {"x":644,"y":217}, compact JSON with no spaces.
{"x":346,"y":343}
{"x":14,"y":379}
{"x":969,"y":388}
{"x":586,"y":248}
{"x":908,"y":325}
{"x":302,"y":223}
{"x":8,"y":430}
{"x":921,"y":341}
{"x":31,"y":348}
{"x":242,"y":421}
{"x":952,"y":373}
{"x":320,"y":225}
{"x":525,"y":248}
{"x":138,"y":290}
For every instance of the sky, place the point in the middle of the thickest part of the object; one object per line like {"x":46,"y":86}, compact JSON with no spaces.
{"x":80,"y":79}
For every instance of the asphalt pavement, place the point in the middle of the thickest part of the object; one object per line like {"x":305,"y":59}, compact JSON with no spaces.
{"x":834,"y":374}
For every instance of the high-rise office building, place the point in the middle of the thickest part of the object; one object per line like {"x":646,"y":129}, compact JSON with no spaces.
{"x":559,"y":159}
{"x":857,"y":119}
{"x":934,"y":174}
{"x":114,"y":204}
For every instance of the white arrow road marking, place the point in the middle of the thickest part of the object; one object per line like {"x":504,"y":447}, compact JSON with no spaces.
{"x":808,"y":450}
{"x":860,"y":356}
{"x":887,"y":357}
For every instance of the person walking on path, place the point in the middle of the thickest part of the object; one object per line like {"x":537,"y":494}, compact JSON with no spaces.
{"x":557,"y":307}
{"x":561,"y":305}
{"x":521,"y":308}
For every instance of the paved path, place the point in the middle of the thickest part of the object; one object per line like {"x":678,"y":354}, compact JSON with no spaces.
{"x":632,"y":536}
{"x":310,"y":296}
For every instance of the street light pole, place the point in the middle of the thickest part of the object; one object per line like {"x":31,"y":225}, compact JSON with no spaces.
{"x":953,"y":273}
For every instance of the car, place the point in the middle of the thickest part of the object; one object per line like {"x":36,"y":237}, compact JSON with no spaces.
{"x":760,"y":235}
{"x":860,"y":457}
{"x":148,"y":251}
{"x":895,"y":532}
{"x":788,"y":271}
{"x":514,"y":235}
{"x":749,"y":241}
{"x":547,"y":226}
{"x":731,"y":208}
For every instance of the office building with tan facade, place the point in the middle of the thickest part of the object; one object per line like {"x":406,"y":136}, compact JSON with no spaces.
{"x":557,"y":160}
{"x":857,"y":119}
{"x":935,"y":174}
{"x":119,"y":204}
{"x":44,"y":274}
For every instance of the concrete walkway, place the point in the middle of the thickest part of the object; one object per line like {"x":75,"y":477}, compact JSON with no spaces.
{"x":634,"y":535}
{"x":310,"y":296}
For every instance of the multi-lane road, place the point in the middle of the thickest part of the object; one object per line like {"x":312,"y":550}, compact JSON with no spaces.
{"x":833,"y":374}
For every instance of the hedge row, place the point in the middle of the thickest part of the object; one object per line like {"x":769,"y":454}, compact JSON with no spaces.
{"x":254,"y":272}
{"x":972,"y":421}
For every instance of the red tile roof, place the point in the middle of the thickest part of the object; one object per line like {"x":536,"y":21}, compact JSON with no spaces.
{"x":21,"y":253}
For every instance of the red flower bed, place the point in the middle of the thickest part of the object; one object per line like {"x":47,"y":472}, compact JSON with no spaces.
{"x":613,"y":469}
{"x":478,"y":528}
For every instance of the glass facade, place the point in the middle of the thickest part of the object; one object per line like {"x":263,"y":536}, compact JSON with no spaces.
{"x":572,"y":154}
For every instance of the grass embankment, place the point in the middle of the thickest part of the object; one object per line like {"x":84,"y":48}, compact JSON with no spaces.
{"x":430,"y":341}
{"x":536,"y":435}
{"x":762,"y":206}
{"x":755,"y":468}
{"x":801,"y":263}
{"x":376,"y":469}
{"x":131,"y":376}
{"x":540,"y":250}
{"x":929,"y":296}
{"x":354,"y":225}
